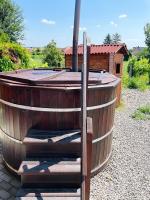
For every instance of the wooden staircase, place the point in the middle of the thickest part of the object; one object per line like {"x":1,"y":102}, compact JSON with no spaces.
{"x":58,"y":163}
{"x":52,"y":169}
{"x":53,"y":165}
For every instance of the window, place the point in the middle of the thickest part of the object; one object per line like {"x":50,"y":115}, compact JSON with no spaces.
{"x":118,"y":68}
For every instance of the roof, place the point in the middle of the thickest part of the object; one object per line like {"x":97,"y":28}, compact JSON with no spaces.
{"x":100,"y":49}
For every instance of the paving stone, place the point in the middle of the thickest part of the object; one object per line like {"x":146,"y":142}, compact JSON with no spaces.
{"x":12,"y":198}
{"x":4,"y":194}
{"x":15,"y":183}
{"x":13,"y":191}
{"x":1,"y":166}
{"x":5,"y":185}
{"x":6,"y":178}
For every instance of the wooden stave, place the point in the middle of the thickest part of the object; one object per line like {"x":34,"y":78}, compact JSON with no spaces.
{"x":90,"y":114}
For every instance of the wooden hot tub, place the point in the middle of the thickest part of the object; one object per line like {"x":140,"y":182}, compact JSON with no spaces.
{"x":48,"y":100}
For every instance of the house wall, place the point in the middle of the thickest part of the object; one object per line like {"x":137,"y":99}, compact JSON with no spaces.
{"x":68,"y":61}
{"x":118,"y":59}
{"x":97,"y":61}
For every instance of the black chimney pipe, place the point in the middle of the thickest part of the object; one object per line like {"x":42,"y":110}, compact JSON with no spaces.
{"x":76,"y":36}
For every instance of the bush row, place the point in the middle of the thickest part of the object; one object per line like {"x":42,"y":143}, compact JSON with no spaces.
{"x":137,"y":74}
{"x":13,"y":56}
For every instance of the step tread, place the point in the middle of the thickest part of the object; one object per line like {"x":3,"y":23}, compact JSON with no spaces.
{"x":48,"y":198}
{"x":41,"y":136}
{"x":49,"y":192}
{"x":50,"y":166}
{"x":42,"y":155}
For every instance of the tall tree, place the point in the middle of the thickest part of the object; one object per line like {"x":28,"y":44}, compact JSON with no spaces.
{"x":147,"y":42}
{"x":147,"y":35}
{"x":11,"y":20}
{"x":108,"y":39}
{"x":53,"y":56}
{"x":116,"y":38}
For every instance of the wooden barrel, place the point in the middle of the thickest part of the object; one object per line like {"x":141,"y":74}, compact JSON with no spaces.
{"x":54,"y":104}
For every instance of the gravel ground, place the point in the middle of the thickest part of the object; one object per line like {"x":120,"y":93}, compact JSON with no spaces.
{"x":127,"y":176}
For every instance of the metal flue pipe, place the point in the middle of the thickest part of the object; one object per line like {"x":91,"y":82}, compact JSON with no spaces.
{"x":76,"y":36}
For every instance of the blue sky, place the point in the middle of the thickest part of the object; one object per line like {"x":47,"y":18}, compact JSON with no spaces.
{"x":53,"y":19}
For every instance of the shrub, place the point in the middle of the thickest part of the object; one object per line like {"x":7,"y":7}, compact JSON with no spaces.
{"x":142,"y":66}
{"x":13,"y":56}
{"x":138,"y":83}
{"x":125,"y":80}
{"x":132,"y":83}
{"x":139,"y":68}
{"x":142,"y":113}
{"x":142,"y":82}
{"x":145,"y":109}
{"x":6,"y":64}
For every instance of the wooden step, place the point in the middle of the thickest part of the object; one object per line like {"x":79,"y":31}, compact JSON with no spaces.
{"x":54,"y":172}
{"x":49,"y":192}
{"x":51,"y":142}
{"x":42,"y":155}
{"x":48,"y":166}
{"x":61,"y":137}
{"x":48,"y":198}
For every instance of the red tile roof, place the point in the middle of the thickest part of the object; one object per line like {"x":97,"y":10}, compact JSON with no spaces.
{"x":100,"y":49}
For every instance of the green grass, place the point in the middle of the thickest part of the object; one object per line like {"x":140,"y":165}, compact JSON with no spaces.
{"x":142,"y":113}
{"x":37,"y":61}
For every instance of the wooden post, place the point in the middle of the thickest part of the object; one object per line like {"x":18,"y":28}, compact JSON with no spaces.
{"x":89,"y":156}
{"x":84,"y":117}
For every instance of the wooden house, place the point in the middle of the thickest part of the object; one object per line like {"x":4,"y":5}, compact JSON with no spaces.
{"x":102,"y":57}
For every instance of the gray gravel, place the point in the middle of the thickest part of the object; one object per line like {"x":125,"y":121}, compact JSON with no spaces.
{"x":127,"y":176}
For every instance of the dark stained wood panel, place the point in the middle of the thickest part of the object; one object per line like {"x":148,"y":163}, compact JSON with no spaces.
{"x":15,"y":122}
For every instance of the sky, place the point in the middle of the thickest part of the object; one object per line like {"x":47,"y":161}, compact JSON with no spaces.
{"x":47,"y":20}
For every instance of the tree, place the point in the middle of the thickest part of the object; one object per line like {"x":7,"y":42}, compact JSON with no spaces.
{"x":4,"y":37}
{"x":11,"y":20}
{"x":131,"y":66}
{"x":143,"y":54}
{"x":53,"y":56}
{"x":147,"y":35}
{"x":108,"y":39}
{"x":116,"y":38}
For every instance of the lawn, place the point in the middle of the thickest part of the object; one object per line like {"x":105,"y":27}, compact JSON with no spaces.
{"x":37,"y":61}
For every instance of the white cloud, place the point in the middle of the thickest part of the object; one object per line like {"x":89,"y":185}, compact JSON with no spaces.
{"x":48,"y":22}
{"x":123,"y":16}
{"x":80,"y":29}
{"x":98,"y":26}
{"x":113,"y":24}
